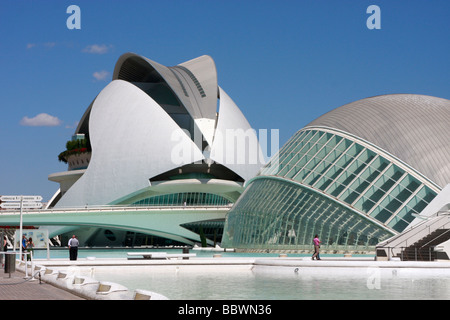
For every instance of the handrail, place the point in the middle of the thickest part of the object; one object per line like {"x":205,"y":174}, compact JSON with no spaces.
{"x":22,"y":259}
{"x":435,"y":238}
{"x":396,"y":237}
{"x":418,"y":250}
{"x":111,"y":208}
{"x":418,"y":229}
{"x":402,"y":251}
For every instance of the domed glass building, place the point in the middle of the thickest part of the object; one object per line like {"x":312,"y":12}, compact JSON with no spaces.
{"x":355,"y":176}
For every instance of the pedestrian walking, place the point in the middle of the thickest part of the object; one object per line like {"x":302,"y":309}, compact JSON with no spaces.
{"x":73,"y":248}
{"x":316,"y":242}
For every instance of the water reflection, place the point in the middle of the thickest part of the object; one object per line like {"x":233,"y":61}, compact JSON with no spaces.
{"x":239,"y":284}
{"x":271,"y":283}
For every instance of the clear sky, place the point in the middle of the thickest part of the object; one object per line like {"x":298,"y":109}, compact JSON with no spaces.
{"x":284,"y":63}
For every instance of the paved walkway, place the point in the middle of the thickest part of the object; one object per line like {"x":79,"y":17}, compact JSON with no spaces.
{"x":19,"y":288}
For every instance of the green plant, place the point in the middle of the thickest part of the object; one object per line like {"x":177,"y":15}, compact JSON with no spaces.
{"x":74,"y":147}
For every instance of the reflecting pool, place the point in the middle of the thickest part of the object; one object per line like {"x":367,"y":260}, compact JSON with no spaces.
{"x":244,"y":282}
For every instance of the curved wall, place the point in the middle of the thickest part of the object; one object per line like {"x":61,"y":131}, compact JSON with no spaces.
{"x":280,"y":215}
{"x":411,"y":127}
{"x":348,"y":177}
{"x":132,"y":139}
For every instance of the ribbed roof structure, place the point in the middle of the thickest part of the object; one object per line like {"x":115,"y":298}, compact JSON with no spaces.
{"x":413,"y":128}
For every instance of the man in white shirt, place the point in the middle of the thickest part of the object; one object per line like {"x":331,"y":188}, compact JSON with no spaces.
{"x":73,"y":248}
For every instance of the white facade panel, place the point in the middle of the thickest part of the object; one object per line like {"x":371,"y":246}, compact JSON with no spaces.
{"x":132,"y":139}
{"x":204,"y":69}
{"x":235,"y":142}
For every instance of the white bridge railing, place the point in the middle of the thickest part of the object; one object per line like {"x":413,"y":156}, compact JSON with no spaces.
{"x":113,"y":208}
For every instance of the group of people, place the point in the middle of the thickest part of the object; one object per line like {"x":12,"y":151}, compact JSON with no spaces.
{"x":27,"y":246}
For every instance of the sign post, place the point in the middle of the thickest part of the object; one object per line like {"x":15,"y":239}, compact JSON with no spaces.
{"x":21,"y":230}
{"x":19,"y":202}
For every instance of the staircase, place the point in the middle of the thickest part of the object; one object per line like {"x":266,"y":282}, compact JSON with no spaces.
{"x":423,"y":250}
{"x":417,"y":243}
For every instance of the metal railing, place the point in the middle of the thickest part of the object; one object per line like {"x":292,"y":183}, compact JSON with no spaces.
{"x":418,"y":250}
{"x":438,"y":236}
{"x":441,"y":220}
{"x":114,"y":208}
{"x":23,"y":259}
{"x":418,"y":253}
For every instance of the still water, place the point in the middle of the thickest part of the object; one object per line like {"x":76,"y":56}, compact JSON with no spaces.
{"x":246,"y":284}
{"x":284,"y":283}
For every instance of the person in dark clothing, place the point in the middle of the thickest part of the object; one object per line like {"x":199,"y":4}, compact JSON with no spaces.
{"x":73,"y":248}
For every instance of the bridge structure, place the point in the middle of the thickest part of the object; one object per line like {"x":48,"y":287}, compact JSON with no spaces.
{"x":161,"y":221}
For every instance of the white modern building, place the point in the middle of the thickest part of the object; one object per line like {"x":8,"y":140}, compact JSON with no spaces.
{"x":159,"y":136}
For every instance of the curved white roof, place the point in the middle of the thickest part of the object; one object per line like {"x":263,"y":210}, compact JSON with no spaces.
{"x":132,"y":139}
{"x":235,"y":142}
{"x":414,"y":128}
{"x":194,"y":82}
{"x":139,"y":127}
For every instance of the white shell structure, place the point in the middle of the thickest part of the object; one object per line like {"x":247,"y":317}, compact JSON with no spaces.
{"x":155,"y":126}
{"x":229,"y":146}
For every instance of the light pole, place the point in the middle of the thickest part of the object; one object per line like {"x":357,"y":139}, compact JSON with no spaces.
{"x":20,"y":227}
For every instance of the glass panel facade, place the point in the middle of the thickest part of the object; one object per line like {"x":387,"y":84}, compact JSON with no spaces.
{"x":275,"y":214}
{"x":356,"y":178}
{"x":354,"y":174}
{"x":414,"y":205}
{"x":188,"y":198}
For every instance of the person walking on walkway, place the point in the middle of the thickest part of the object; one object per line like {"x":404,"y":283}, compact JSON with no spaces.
{"x":73,"y":248}
{"x":316,"y":248}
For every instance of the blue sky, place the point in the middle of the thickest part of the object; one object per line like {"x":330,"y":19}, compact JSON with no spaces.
{"x":284,"y":62}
